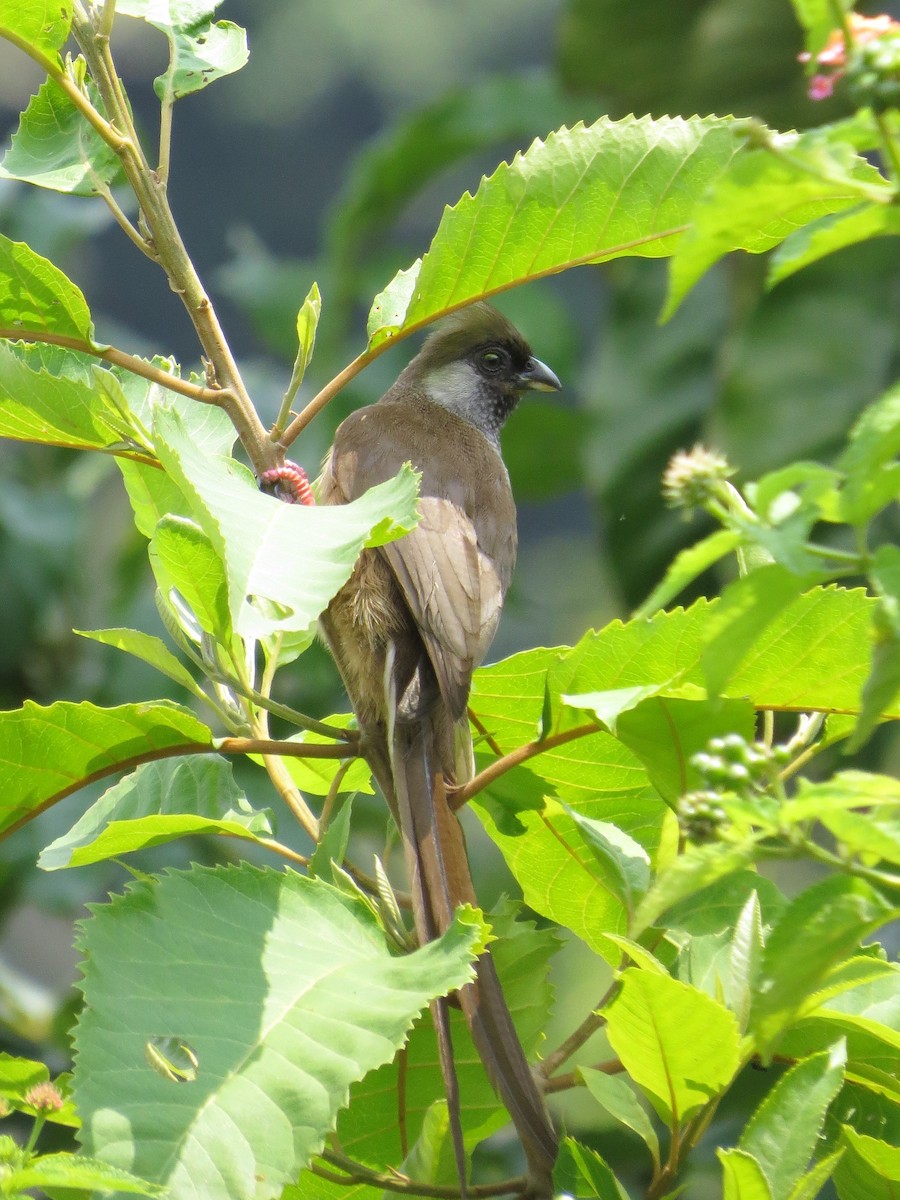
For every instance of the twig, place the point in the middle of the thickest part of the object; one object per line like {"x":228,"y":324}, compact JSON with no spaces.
{"x":485,"y":735}
{"x":119,"y":358}
{"x":514,"y":759}
{"x":327,"y":394}
{"x":573,"y":1079}
{"x":585,"y":1031}
{"x":167,"y":243}
{"x":355,"y":1172}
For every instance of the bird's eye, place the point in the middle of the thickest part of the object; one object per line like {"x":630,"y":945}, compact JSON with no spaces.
{"x":492,"y":361}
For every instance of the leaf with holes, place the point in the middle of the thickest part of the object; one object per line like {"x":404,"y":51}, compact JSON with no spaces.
{"x":258,"y":974}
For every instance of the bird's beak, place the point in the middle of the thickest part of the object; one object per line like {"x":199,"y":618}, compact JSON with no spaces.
{"x":537,"y":377}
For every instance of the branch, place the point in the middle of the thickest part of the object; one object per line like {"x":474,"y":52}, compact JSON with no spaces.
{"x":395,"y":1182}
{"x":327,"y":394}
{"x":562,"y":1083}
{"x":130,"y":362}
{"x":228,"y":745}
{"x":167,"y":244}
{"x":514,"y":759}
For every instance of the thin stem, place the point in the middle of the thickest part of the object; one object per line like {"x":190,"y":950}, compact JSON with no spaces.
{"x":327,"y":394}
{"x":171,"y":252}
{"x":119,"y":358}
{"x":285,"y":851}
{"x":841,"y":20}
{"x":349,"y":736}
{"x":515,"y":759}
{"x":889,"y":147}
{"x":105,"y":22}
{"x":768,"y":727}
{"x":290,"y":794}
{"x":586,"y":1030}
{"x":486,"y":736}
{"x":573,"y":1079}
{"x":331,"y":798}
{"x":123,"y":222}
{"x":852,"y":867}
{"x":39,"y":1122}
{"x":355,"y":1172}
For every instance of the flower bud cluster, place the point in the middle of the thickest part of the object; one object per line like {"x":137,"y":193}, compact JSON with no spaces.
{"x":728,"y":764}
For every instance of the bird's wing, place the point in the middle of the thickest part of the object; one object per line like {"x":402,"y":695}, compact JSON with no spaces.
{"x":453,"y":574}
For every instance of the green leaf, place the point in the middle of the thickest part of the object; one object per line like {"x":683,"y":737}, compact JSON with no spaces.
{"x":742,"y":1176}
{"x":258,"y":973}
{"x":820,"y":927}
{"x":55,"y":147}
{"x":881,"y":690}
{"x":869,"y":1170}
{"x":582,"y":1174}
{"x":584,"y":195}
{"x":745,"y":960}
{"x":866,"y":834}
{"x":41,"y":24}
{"x":745,"y":609}
{"x":332,"y":845}
{"x":184,"y":558}
{"x":846,"y":789}
{"x":625,"y":863}
{"x":158,"y":802}
{"x":283,"y":562}
{"x":608,"y":706}
{"x":691,"y":872}
{"x":48,"y":753}
{"x":764,"y":194}
{"x":19,"y":1075}
{"x":813,"y":654}
{"x":398,"y":164}
{"x":829,"y":234}
{"x":431,"y":1160}
{"x":665,"y":732}
{"x":40,"y":404}
{"x":616,"y":1095}
{"x":78,"y":1171}
{"x":36,"y":297}
{"x":307,"y":324}
{"x":375,"y":1126}
{"x":818,"y":19}
{"x":149,"y":649}
{"x":200,"y":54}
{"x":869,"y":461}
{"x":685,"y":568}
{"x":783,"y":1132}
{"x":809,"y":1186}
{"x":548,"y":853}
{"x":316,"y":775}
{"x":677,"y":1043}
{"x":168,"y":14}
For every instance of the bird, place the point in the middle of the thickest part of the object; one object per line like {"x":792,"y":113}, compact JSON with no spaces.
{"x":408,"y":629}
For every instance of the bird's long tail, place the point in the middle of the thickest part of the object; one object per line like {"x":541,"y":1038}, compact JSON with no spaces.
{"x":440,"y":881}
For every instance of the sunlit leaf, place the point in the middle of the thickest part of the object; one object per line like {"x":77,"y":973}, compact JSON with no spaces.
{"x":47,"y":753}
{"x":55,"y":147}
{"x":783,"y":1132}
{"x":157,"y":803}
{"x":676,"y":1042}
{"x":583,"y":195}
{"x":258,"y":972}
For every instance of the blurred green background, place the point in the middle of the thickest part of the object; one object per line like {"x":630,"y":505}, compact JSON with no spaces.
{"x":330,"y":157}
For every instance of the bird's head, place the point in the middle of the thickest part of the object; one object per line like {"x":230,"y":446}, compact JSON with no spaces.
{"x":478,"y":365}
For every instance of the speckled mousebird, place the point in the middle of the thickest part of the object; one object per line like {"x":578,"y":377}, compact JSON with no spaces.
{"x":416,"y":618}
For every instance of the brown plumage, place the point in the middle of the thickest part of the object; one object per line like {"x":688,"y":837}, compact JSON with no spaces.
{"x":413,"y":622}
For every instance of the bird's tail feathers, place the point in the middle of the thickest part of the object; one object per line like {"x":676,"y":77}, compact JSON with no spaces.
{"x":440,"y":881}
